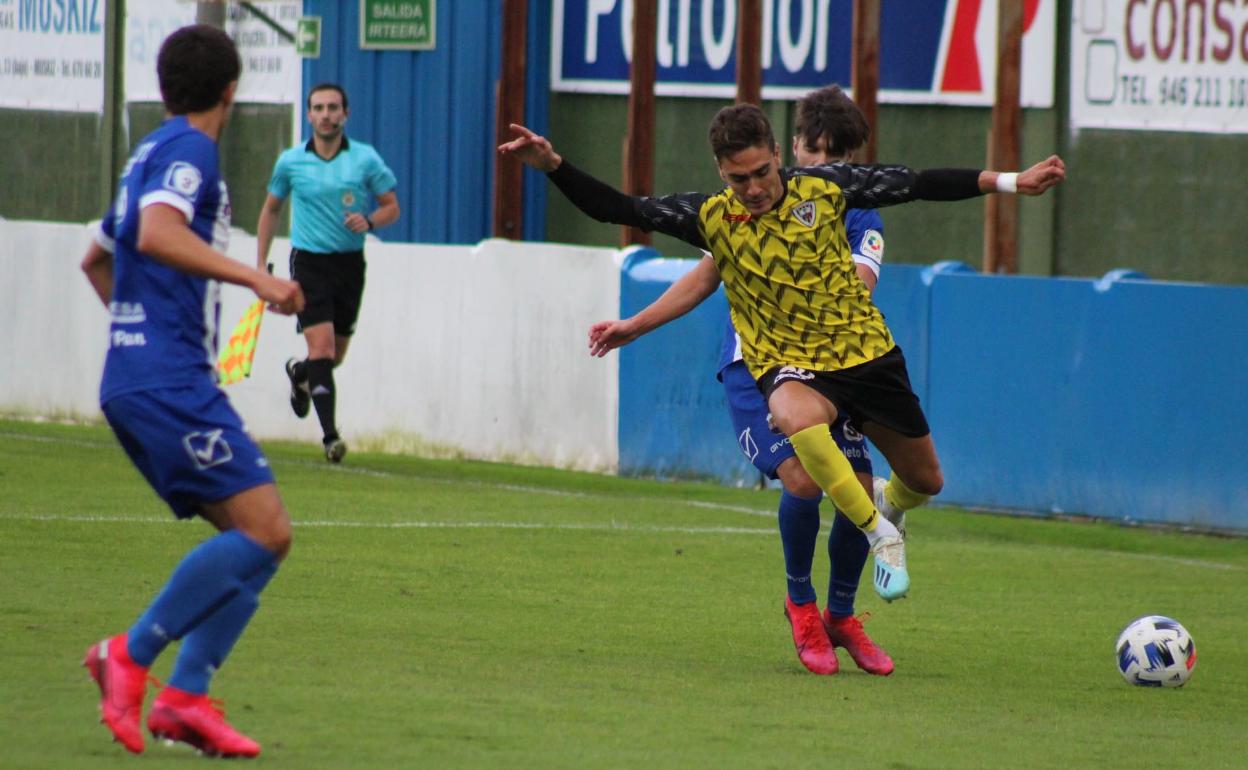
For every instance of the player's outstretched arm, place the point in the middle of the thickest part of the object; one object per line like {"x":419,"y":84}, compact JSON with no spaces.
{"x":869,"y":187}
{"x":165,"y":237}
{"x":681,"y":297}
{"x":1049,"y":172}
{"x":592,"y":196}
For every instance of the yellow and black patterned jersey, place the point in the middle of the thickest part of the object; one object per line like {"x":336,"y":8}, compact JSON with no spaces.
{"x":789,"y":274}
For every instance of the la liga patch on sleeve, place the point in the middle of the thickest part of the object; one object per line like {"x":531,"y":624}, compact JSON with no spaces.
{"x":183,"y":179}
{"x":873,"y":245}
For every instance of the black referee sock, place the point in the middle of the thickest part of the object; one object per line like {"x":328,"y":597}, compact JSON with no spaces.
{"x":321,"y":386}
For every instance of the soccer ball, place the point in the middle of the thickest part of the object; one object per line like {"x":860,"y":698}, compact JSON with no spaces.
{"x":1156,"y":651}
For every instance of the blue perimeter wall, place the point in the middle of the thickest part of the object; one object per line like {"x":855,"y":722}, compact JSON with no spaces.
{"x":431,"y":113}
{"x":1121,"y":398}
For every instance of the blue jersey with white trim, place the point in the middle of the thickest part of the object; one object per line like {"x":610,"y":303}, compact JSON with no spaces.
{"x":163,"y":330}
{"x":864,"y":229}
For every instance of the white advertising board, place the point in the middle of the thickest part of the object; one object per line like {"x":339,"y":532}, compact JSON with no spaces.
{"x":52,"y":55}
{"x":272,"y":72}
{"x":1159,"y":65}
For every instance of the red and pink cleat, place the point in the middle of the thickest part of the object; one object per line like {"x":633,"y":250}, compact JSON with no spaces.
{"x":123,"y":684}
{"x":199,"y":721}
{"x":810,"y":638}
{"x":847,"y":632}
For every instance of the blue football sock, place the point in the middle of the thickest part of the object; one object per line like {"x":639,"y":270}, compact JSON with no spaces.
{"x":205,"y":648}
{"x":847,"y":552}
{"x":210,"y":575}
{"x":799,"y":529}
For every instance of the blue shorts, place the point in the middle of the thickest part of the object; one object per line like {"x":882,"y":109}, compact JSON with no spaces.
{"x":766,"y":448}
{"x":189,"y":443}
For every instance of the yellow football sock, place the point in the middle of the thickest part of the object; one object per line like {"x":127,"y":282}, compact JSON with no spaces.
{"x":902,"y":497}
{"x":827,"y":465}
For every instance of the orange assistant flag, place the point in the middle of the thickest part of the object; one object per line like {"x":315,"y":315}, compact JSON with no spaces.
{"x":235,"y":360}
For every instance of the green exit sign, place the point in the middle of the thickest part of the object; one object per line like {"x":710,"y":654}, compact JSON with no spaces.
{"x":308,"y":37}
{"x":397,"y":24}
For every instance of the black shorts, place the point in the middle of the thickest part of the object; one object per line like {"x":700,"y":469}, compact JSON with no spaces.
{"x":877,"y":391}
{"x":333,"y":285}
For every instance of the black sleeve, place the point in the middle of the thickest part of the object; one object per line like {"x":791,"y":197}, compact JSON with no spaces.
{"x":871,"y":187}
{"x":674,"y":215}
{"x":596,"y":198}
{"x":947,"y":184}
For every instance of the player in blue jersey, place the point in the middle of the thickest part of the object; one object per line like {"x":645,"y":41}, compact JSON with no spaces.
{"x":830,"y":128}
{"x":157,"y":264}
{"x":342,"y":189}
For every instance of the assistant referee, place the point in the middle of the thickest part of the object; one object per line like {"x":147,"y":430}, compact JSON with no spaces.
{"x":342,"y":190}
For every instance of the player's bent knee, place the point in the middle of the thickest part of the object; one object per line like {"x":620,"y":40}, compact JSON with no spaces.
{"x":803,"y":486}
{"x":281,"y":539}
{"x":929,"y":483}
{"x":259,"y":514}
{"x":275,"y":534}
{"x":796,"y":480}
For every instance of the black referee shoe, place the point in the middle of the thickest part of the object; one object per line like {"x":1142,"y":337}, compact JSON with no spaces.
{"x":300,"y":399}
{"x":335,"y":449}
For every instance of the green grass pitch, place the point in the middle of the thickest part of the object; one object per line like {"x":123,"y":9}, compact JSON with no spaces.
{"x":439,"y":614}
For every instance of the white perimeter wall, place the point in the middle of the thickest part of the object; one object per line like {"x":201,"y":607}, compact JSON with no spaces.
{"x":473,"y":350}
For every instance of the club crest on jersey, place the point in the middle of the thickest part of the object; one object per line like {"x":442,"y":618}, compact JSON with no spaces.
{"x":184,"y":179}
{"x":804,"y":212}
{"x":348,"y":198}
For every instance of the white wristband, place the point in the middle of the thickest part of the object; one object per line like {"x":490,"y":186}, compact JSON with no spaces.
{"x":1007,"y":183}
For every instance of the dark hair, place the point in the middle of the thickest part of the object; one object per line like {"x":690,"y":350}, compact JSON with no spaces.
{"x":328,"y":87}
{"x":830,"y":114}
{"x":194,"y":66}
{"x":739,"y":127}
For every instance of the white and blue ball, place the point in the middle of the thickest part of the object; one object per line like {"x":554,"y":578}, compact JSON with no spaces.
{"x":1156,"y":651}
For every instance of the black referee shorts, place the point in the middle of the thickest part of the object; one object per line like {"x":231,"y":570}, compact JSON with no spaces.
{"x":877,"y":391}
{"x":333,"y":285}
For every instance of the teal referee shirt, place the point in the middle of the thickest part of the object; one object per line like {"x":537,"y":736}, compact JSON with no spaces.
{"x":325,"y":191}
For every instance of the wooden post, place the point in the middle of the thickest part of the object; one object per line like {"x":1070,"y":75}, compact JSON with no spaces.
{"x":865,"y":72}
{"x":1001,"y":211}
{"x":508,"y":109}
{"x":210,"y":12}
{"x":749,"y":52}
{"x":113,"y":150}
{"x":639,"y":141}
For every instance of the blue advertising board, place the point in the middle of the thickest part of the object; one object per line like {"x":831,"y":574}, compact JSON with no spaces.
{"x":931,"y":51}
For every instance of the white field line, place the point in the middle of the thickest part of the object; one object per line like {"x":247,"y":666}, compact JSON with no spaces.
{"x":611,"y":527}
{"x":578,"y":527}
{"x":535,"y":490}
{"x":527,"y":489}
{"x":533,"y":525}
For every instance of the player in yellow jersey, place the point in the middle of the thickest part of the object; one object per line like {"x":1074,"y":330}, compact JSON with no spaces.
{"x":829,"y":129}
{"x":809,"y":332}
